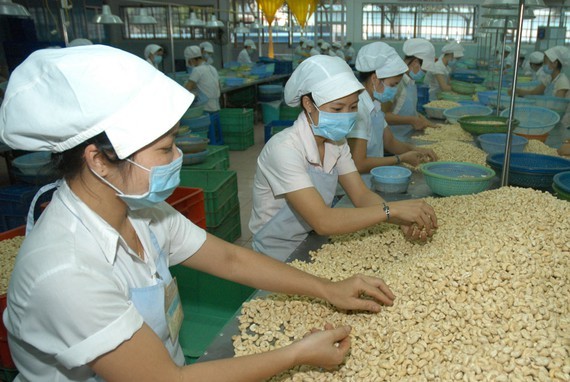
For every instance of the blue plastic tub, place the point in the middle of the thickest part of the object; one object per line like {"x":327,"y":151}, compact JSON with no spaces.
{"x":562,"y":181}
{"x":556,"y":104}
{"x":530,"y":170}
{"x":455,"y":113}
{"x":234,"y":81}
{"x":271,"y":89}
{"x":533,"y":120}
{"x":467,"y":77}
{"x":495,"y":143}
{"x":456,"y":178}
{"x":36,"y":163}
{"x":391,"y":179}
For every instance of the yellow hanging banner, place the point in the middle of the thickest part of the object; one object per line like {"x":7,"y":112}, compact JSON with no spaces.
{"x":302,"y":10}
{"x":269,"y":8}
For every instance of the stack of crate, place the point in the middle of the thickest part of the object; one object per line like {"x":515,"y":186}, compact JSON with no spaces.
{"x":221,"y":200}
{"x":237,"y":128}
{"x":218,"y":158}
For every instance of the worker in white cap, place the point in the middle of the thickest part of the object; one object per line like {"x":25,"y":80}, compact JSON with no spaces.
{"x":91,"y":296}
{"x":401,"y":114}
{"x":381,"y":70}
{"x":337,"y":49}
{"x":508,"y":62}
{"x":244,"y":56}
{"x":438,"y":78}
{"x":153,"y":54}
{"x":555,"y":83}
{"x":325,"y":48}
{"x":301,"y":51}
{"x":533,"y":66}
{"x":207,"y":52}
{"x":319,"y":46}
{"x":349,"y":53}
{"x":79,"y":42}
{"x":312,"y":50}
{"x":203,"y":80}
{"x":299,"y":168}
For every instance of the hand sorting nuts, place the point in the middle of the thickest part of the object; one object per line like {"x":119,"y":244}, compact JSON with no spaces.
{"x":485,"y":300}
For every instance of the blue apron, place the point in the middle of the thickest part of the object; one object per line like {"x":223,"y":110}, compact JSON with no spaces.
{"x":375,"y":144}
{"x":403,"y":132}
{"x":284,"y":232}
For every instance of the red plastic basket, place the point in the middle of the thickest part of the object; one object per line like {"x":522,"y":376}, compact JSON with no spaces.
{"x":5,"y":356}
{"x":190,"y":203}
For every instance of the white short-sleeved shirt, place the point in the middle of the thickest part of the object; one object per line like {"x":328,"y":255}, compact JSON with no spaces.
{"x":431,"y":80}
{"x":243,"y":57}
{"x":68,"y":299}
{"x":363,"y":127}
{"x":208,"y":82}
{"x":561,"y":82}
{"x":351,"y":54}
{"x":282,"y":168}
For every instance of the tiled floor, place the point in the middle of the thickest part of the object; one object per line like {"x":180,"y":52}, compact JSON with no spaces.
{"x":244,"y":162}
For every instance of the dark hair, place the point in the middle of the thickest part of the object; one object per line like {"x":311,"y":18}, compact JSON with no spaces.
{"x":70,"y":162}
{"x":364,"y":76}
{"x":310,"y":95}
{"x":409,"y":59}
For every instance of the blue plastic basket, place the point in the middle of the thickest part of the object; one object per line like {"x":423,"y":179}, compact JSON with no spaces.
{"x":467,"y":77}
{"x":495,"y":143}
{"x":455,"y":113}
{"x":533,"y":120}
{"x":562,"y":181}
{"x":556,"y":104}
{"x":530,"y":170}
{"x":506,"y":101}
{"x":456,"y":178}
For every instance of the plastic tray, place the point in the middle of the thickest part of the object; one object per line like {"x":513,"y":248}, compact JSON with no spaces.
{"x":190,"y":203}
{"x":455,"y":113}
{"x":562,"y":181}
{"x":239,"y":141}
{"x":236,"y":120}
{"x":274,"y":127}
{"x":456,"y":178}
{"x":495,"y":143}
{"x":533,"y":120}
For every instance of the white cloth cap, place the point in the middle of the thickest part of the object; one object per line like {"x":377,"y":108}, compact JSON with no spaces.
{"x":536,"y":57}
{"x":250,"y":43}
{"x":453,"y":47}
{"x":381,"y":58}
{"x":79,"y":42}
{"x":302,"y":39}
{"x":523,"y":53}
{"x":151,"y":49}
{"x":320,"y":41}
{"x":326,"y":78}
{"x":325,"y":45}
{"x":310,"y":43}
{"x":508,"y":49}
{"x":192,"y":52}
{"x":207,"y":46}
{"x":422,"y":49}
{"x":57,"y":99}
{"x":560,"y":53}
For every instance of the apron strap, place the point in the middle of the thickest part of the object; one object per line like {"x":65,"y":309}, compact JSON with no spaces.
{"x":30,"y":220}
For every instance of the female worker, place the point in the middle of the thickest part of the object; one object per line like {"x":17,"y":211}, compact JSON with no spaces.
{"x":207,"y":52}
{"x":91,"y":297}
{"x":153,"y":54}
{"x":401,"y":114}
{"x":438,"y":77}
{"x":244,"y":56}
{"x":381,"y":70}
{"x":298,"y":169}
{"x":533,"y":67}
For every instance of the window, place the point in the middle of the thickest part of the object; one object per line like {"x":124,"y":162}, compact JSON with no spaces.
{"x":433,"y":22}
{"x":552,"y":17}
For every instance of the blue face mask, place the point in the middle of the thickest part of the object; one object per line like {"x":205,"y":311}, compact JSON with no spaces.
{"x":205,"y":56}
{"x":333,"y":126}
{"x":157,"y":60}
{"x":387,"y":95}
{"x":163,"y":180}
{"x":452,"y":63}
{"x":416,"y":76}
{"x":547,"y":69}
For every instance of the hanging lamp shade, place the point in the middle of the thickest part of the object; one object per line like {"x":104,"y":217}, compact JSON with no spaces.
{"x":143,"y":18}
{"x":194,"y":21}
{"x":106,"y":17}
{"x":302,"y":10}
{"x":498,"y":14}
{"x":255,"y":24}
{"x":512,"y":4}
{"x":500,"y":24}
{"x":8,"y":8}
{"x":241,"y":29}
{"x":214,"y":22}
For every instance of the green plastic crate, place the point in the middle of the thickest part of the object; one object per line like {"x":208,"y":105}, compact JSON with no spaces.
{"x":239,"y":142}
{"x":289,"y":113}
{"x":230,"y":228}
{"x":219,"y":152}
{"x":208,"y":303}
{"x":242,"y":97}
{"x":210,"y":164}
{"x":236,"y":121}
{"x":218,"y":186}
{"x":215,"y":218}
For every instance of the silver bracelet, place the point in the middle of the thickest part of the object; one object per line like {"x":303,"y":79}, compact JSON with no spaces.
{"x":386,"y":211}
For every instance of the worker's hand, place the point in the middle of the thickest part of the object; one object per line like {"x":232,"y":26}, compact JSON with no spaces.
{"x":429,"y":154}
{"x":414,"y":158}
{"x":510,"y":91}
{"x":428,"y":122}
{"x":323,"y":348}
{"x":347,"y":294}
{"x":412,"y":213}
{"x":420,"y":123}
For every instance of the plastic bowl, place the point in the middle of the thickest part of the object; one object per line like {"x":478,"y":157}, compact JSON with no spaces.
{"x":484,"y":125}
{"x":562,"y":181}
{"x":495,"y":143}
{"x":456,"y":178}
{"x":391,"y":179}
{"x":540,"y":137}
{"x":533,"y":120}
{"x":506,"y":101}
{"x":435,"y":112}
{"x":530,"y":170}
{"x":37,"y":163}
{"x":561,"y":194}
{"x":195,"y":158}
{"x":190,"y":145}
{"x":455,"y":113}
{"x":462,"y":87}
{"x":556,"y":104}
